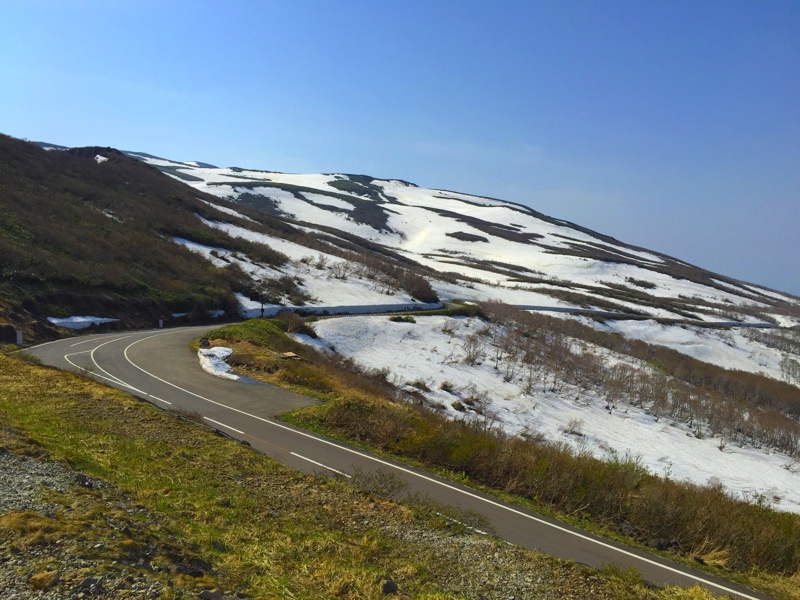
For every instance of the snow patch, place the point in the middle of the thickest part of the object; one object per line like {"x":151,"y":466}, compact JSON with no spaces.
{"x":79,"y":322}
{"x":212,"y":360}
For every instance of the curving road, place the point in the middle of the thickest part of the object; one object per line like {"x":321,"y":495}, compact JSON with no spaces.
{"x":158,"y":366}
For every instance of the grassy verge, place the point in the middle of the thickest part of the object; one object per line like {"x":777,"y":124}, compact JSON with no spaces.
{"x":703,"y":526}
{"x":245,"y":522}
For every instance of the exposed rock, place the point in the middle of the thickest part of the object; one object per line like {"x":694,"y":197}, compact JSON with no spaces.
{"x":84,"y":481}
{"x":388,"y":586}
{"x":659,"y":543}
{"x":44,"y":581}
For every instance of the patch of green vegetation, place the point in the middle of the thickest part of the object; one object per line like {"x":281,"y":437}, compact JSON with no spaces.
{"x":268,"y":333}
{"x":265,"y":528}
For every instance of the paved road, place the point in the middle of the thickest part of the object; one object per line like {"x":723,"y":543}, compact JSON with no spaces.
{"x":158,"y":366}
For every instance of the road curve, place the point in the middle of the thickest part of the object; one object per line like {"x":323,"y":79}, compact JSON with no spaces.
{"x":159,"y":367}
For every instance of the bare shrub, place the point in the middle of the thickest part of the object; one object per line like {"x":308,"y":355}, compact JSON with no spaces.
{"x":321,"y":261}
{"x":474,"y":347}
{"x":383,"y":483}
{"x":339,"y":270}
{"x":575,"y":427}
{"x":184,"y":413}
{"x":619,"y":492}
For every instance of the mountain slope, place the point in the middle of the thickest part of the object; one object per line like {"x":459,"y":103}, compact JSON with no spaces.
{"x":491,"y":244}
{"x":89,"y":231}
{"x":643,"y":348}
{"x":608,"y":381}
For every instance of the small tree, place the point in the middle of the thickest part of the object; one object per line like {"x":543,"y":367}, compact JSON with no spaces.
{"x":474,"y":347}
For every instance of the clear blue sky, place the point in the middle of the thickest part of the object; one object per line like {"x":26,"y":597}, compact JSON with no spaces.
{"x":673,"y":125}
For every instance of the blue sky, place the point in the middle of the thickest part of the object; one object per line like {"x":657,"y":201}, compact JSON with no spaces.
{"x":671,"y":125}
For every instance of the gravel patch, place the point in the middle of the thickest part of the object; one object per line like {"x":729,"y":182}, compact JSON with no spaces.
{"x":48,"y":553}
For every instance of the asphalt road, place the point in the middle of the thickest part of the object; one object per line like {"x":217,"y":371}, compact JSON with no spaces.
{"x":158,"y":366}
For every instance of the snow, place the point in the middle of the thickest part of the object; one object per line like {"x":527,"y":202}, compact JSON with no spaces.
{"x":79,"y":322}
{"x":785,"y":321}
{"x":227,"y":211}
{"x":327,"y":200}
{"x":212,"y":360}
{"x":729,"y":349}
{"x":414,"y":236}
{"x":100,"y":159}
{"x":428,"y":351}
{"x":417,"y":231}
{"x":107,"y":213}
{"x":330,"y":293}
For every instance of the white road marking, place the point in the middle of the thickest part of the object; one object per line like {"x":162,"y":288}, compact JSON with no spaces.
{"x":464,"y":524}
{"x":319,"y":464}
{"x":96,"y":348}
{"x":92,"y":339}
{"x":432,"y":480}
{"x":115,"y":380}
{"x":159,"y":399}
{"x":223,"y":425}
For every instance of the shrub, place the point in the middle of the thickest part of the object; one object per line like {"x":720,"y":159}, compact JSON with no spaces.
{"x":447,"y":386}
{"x":302,"y":374}
{"x":620,"y":493}
{"x":403,"y":319}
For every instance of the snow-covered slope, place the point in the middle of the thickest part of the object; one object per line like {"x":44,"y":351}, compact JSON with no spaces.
{"x":431,"y":358}
{"x":497,"y":248}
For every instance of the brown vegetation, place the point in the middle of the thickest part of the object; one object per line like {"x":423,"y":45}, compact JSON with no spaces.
{"x":78,"y":237}
{"x":740,"y":407}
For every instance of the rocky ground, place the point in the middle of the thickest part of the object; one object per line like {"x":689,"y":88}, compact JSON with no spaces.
{"x":64,"y":535}
{"x":67,"y":536}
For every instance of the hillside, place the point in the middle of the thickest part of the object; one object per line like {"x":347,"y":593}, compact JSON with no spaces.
{"x":533,"y":332}
{"x":89,"y":232}
{"x":709,"y":363}
{"x":481,"y":248}
{"x":692,"y":374}
{"x":107,"y":497}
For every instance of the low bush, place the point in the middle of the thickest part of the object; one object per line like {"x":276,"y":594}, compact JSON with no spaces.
{"x":307,"y":376}
{"x":620,"y":493}
{"x":403,"y":319}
